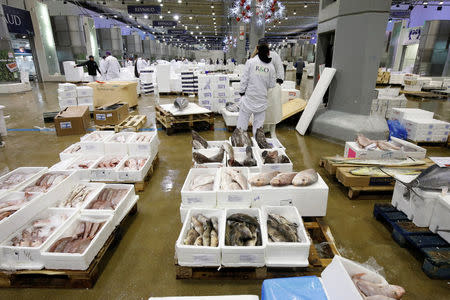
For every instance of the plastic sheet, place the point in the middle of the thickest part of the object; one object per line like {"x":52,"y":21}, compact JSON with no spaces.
{"x":396,"y":129}
{"x":295,"y":288}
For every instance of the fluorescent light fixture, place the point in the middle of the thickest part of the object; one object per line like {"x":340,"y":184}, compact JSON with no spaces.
{"x":190,"y":18}
{"x":145,"y":16}
{"x":176,"y":17}
{"x":160,"y":16}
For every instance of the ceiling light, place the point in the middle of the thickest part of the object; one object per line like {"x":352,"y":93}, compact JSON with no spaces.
{"x":168,"y":11}
{"x":214,"y":23}
{"x":192,"y":32}
{"x":425,"y":4}
{"x":212,"y":6}
{"x":139,"y":26}
{"x":160,"y":16}
{"x":115,"y":16}
{"x":161,"y":5}
{"x":196,"y":27}
{"x":180,"y":1}
{"x":295,"y":12}
{"x":101,"y":17}
{"x":176,"y":17}
{"x":442,"y":2}
{"x":145,"y":16}
{"x":306,"y":5}
{"x":130,"y":16}
{"x":153,"y":32}
{"x":128,"y":26}
{"x":213,"y":13}
{"x":200,"y":33}
{"x":390,"y":20}
{"x":190,"y":18}
{"x":286,"y":18}
{"x":159,"y":1}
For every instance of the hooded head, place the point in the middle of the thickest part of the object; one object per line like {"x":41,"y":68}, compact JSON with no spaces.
{"x":108,"y":53}
{"x":263,"y":53}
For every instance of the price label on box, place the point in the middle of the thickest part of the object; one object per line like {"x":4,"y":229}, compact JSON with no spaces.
{"x":204,"y":258}
{"x":248,"y":258}
{"x":65,"y":125}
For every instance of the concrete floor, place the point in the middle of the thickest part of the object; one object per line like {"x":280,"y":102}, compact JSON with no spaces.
{"x":142,"y":264}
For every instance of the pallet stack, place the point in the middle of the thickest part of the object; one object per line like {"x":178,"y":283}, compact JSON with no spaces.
{"x":189,"y":82}
{"x":146,"y":82}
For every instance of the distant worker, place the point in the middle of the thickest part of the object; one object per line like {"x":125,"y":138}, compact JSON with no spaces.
{"x":128,"y":62}
{"x":299,"y":65}
{"x":102,"y":65}
{"x":258,"y":77}
{"x":139,"y":65}
{"x":92,"y":68}
{"x":112,"y":67}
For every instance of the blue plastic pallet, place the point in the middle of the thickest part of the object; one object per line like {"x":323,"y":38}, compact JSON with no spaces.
{"x":429,"y":246}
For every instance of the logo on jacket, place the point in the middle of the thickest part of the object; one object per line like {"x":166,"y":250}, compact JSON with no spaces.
{"x":262,"y":69}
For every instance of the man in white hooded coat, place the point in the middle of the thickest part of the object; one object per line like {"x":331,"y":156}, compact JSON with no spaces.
{"x":112,"y":67}
{"x":259,"y":76}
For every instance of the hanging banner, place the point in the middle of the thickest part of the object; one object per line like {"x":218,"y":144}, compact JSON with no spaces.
{"x":18,"y":20}
{"x":144,"y":9}
{"x":400,"y":13}
{"x":413,"y":35}
{"x":165,"y":23}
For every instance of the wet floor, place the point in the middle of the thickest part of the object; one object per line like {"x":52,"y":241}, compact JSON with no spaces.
{"x":143,"y":263}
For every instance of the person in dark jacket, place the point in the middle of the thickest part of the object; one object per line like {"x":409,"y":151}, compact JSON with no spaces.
{"x":299,"y":65}
{"x":92,"y":68}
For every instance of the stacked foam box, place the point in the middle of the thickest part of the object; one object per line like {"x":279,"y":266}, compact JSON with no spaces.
{"x":388,"y":99}
{"x":396,"y":78}
{"x":146,"y":82}
{"x":205,"y":91}
{"x":163,"y":77}
{"x":412,"y":83}
{"x":189,"y":82}
{"x":420,"y":125}
{"x":72,"y":73}
{"x":234,"y":96}
{"x":67,"y":95}
{"x":221,"y":91}
{"x":85,"y":96}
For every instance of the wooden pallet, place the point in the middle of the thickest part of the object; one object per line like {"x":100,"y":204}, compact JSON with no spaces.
{"x":425,"y":245}
{"x":318,"y":231}
{"x":421,"y":94}
{"x":171,"y":122}
{"x":430,"y":144}
{"x":134,"y":122}
{"x":139,"y":186}
{"x":73,"y":279}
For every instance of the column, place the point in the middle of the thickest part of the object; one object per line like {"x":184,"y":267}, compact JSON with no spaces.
{"x":90,"y":35}
{"x":44,"y":43}
{"x":342,"y":24}
{"x":256,"y":30}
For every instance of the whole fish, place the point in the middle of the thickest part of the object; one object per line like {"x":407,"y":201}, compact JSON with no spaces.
{"x":199,"y":241}
{"x":378,"y":162}
{"x":181,"y":103}
{"x":385,"y":145}
{"x":383,"y":172}
{"x":214,"y":238}
{"x":197,"y":141}
{"x":287,"y":229}
{"x":262,"y":179}
{"x":230,"y":152}
{"x":191,"y":237}
{"x":261,"y":139}
{"x":371,"y":289}
{"x":240,"y":139}
{"x":434,"y":178}
{"x":203,"y":159}
{"x":274,"y":234}
{"x":249,"y":160}
{"x":207,"y":233}
{"x":272,"y":157}
{"x":283,"y":179}
{"x":197,"y":225}
{"x":238,"y":177}
{"x":240,"y":217}
{"x":305,"y":177}
{"x":215,"y":223}
{"x":231,"y":107}
{"x":200,"y":181}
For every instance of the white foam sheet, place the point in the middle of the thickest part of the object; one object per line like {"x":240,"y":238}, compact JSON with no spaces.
{"x":315,"y":100}
{"x":192,"y":109}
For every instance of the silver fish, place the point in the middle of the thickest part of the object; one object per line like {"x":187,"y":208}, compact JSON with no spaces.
{"x":203,"y":159}
{"x":305,"y":177}
{"x":262,"y":179}
{"x":240,"y":139}
{"x":249,"y":160}
{"x":371,"y":289}
{"x":231,"y":107}
{"x":261,"y":139}
{"x":181,"y":103}
{"x":191,"y":236}
{"x":197,"y":141}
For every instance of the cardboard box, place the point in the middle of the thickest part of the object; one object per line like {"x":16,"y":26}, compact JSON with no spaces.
{"x":111,"y":114}
{"x":114,"y":91}
{"x":72,"y":120}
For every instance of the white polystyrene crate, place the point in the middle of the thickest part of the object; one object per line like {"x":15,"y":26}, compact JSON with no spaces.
{"x":66,"y":102}
{"x":113,"y":146}
{"x":67,"y":86}
{"x":209,"y":153}
{"x":422,"y":206}
{"x":425,"y":124}
{"x":90,"y":144}
{"x":32,"y":173}
{"x":241,"y":149}
{"x":234,"y":198}
{"x":83,"y":164}
{"x":401,"y":113}
{"x":400,"y":199}
{"x":9,"y":224}
{"x":230,"y":118}
{"x":188,"y":255}
{"x":85,"y":91}
{"x":286,"y":167}
{"x":67,"y":93}
{"x":184,"y":210}
{"x":240,"y":157}
{"x":16,"y":257}
{"x":407,"y":149}
{"x":200,"y":198}
{"x":121,"y":209}
{"x":244,"y":256}
{"x":78,"y":261}
{"x":106,"y":174}
{"x":274,"y":143}
{"x":63,"y":164}
{"x":213,"y":145}
{"x":440,"y":221}
{"x":70,"y":152}
{"x":142,"y":148}
{"x":311,"y":200}
{"x":337,"y":279}
{"x":56,"y":200}
{"x":286,"y":254}
{"x":71,"y":177}
{"x":134,"y":175}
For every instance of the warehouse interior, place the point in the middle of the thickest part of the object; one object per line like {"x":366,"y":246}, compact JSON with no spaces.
{"x":357,"y":108}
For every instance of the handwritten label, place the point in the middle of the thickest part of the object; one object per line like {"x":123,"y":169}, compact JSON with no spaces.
{"x":144,"y":147}
{"x":204,"y":258}
{"x":108,"y":115}
{"x":248,"y":258}
{"x":191,"y":200}
{"x":89,"y":147}
{"x":275,"y":167}
{"x":235,"y":198}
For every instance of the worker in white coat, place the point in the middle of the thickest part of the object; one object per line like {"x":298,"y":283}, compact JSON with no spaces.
{"x":258,"y":77}
{"x":112,"y":67}
{"x":140,"y":64}
{"x":102,"y":66}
